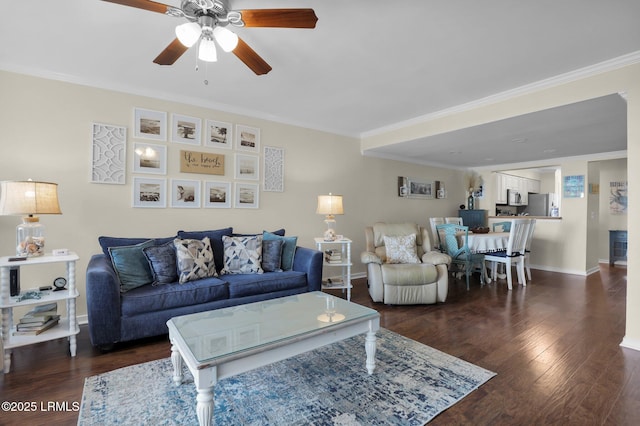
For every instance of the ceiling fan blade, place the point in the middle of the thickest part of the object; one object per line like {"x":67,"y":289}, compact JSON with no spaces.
{"x":143,"y":4}
{"x":279,"y":18}
{"x":171,"y":53}
{"x":250,"y":58}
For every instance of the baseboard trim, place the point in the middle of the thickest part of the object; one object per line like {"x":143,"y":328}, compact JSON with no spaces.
{"x":630,"y":344}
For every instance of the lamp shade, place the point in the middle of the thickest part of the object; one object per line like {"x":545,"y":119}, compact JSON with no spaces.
{"x":207,"y":50}
{"x":228,"y":40}
{"x":188,"y":33}
{"x":330,"y":205}
{"x":28,"y":198}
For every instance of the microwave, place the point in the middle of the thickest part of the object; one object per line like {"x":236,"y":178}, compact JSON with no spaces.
{"x":514,"y":198}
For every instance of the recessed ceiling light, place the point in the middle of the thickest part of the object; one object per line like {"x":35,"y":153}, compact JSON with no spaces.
{"x":549,"y":151}
{"x":519,"y":140}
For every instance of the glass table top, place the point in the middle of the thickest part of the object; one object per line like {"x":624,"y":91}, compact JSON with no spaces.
{"x":228,"y":331}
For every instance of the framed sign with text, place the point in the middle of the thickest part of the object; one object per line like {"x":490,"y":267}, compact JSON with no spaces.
{"x":201,"y":162}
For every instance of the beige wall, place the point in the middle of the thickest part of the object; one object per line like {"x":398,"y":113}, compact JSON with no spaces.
{"x":46,"y":135}
{"x":574,"y":212}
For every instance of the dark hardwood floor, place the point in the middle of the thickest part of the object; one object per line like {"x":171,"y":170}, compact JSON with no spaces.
{"x":554,"y":345}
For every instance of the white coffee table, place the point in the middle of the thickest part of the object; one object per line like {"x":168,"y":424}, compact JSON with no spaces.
{"x":229,"y":341}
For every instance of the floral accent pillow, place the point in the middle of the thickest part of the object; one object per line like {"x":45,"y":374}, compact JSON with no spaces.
{"x":401,"y":249}
{"x":242,"y":255}
{"x":194,"y":259}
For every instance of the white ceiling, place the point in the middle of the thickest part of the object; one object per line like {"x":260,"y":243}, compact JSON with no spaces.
{"x":367,"y":65}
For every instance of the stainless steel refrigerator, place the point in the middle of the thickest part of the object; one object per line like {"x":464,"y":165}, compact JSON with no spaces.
{"x":539,"y":204}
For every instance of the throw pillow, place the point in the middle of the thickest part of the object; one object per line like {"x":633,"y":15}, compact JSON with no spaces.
{"x":401,"y":249}
{"x":194,"y":259}
{"x":272,"y":255}
{"x":131,"y":266}
{"x":288,"y":248}
{"x":215,"y":237}
{"x":162,"y":260}
{"x":242,"y":255}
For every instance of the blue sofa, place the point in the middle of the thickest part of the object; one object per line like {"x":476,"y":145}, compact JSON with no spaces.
{"x":118,"y":316}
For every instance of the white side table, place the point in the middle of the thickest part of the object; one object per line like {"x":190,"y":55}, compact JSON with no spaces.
{"x":342,"y":246}
{"x":68,"y":325}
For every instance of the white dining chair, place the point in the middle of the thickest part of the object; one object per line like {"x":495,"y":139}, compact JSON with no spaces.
{"x":527,"y":249}
{"x":454,"y":220}
{"x":435,"y":238}
{"x":514,"y":254}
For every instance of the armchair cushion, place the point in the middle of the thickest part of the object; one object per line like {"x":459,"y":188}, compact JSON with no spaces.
{"x":401,"y":249}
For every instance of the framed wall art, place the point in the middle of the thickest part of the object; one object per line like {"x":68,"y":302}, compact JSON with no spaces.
{"x":109,"y":154}
{"x":246,"y":167}
{"x":185,"y":129}
{"x":149,"y":158}
{"x":185,"y":193}
{"x":246,"y":196}
{"x":149,"y":192}
{"x":218,"y":135}
{"x":273,"y":161}
{"x":420,"y":188}
{"x":573,"y":186}
{"x":217,"y":195}
{"x":149,"y":124}
{"x":247,"y":138}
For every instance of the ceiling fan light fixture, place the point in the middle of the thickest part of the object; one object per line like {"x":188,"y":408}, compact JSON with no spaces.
{"x":227,"y":39}
{"x":188,"y":33}
{"x":207,"y":50}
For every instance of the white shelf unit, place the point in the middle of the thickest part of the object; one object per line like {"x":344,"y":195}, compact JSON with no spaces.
{"x":344,"y":245}
{"x":68,"y":325}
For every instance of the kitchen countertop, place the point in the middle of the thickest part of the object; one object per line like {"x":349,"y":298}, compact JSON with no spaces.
{"x":525,"y":217}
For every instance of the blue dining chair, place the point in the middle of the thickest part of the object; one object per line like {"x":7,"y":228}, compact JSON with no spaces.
{"x":502,"y":226}
{"x":456,"y":245}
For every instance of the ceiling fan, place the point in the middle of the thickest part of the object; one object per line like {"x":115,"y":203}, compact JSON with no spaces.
{"x":208,"y":21}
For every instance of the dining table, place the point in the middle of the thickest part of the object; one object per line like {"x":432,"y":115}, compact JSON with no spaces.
{"x":489,"y":242}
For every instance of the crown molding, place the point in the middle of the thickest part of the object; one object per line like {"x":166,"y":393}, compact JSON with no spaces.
{"x":579,"y":74}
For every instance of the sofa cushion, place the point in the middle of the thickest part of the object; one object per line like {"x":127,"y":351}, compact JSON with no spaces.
{"x":241,"y":285}
{"x":194,"y":259}
{"x":215,"y":237}
{"x":106,"y":242}
{"x":162,"y":261}
{"x":401,"y":249}
{"x":242,"y":255}
{"x":131,"y":265}
{"x":288,"y":248}
{"x":160,"y":298}
{"x":272,"y":255}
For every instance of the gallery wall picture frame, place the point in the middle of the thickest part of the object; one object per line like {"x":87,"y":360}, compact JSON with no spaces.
{"x":149,"y":158}
{"x":109,"y":152}
{"x":185,"y":193}
{"x":273,"y":166}
{"x":217,"y":195}
{"x":219,"y":134}
{"x":247,"y":167}
{"x":149,"y":192}
{"x":247,"y":138}
{"x":185,"y":129}
{"x":420,"y":188}
{"x":150,"y":124}
{"x":247,"y":195}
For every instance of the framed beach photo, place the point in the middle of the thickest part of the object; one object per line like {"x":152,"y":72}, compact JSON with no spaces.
{"x":246,"y":196}
{"x":149,"y":192}
{"x":149,"y":124}
{"x":247,"y":138}
{"x":149,"y":158}
{"x":185,"y":129}
{"x":185,"y":193}
{"x":420,"y":188}
{"x":246,"y":167}
{"x":218,"y":134}
{"x":217,"y":195}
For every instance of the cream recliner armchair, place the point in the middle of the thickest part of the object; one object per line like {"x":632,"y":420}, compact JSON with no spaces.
{"x":425,"y":281}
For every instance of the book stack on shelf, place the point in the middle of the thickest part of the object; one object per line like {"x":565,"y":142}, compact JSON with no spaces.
{"x":37,"y":320}
{"x":333,"y":256}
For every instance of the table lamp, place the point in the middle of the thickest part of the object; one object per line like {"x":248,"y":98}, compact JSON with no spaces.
{"x":330,"y":205}
{"x":29,"y":198}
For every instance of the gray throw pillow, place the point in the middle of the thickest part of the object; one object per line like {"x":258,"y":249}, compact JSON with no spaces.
{"x":162,"y":260}
{"x":272,"y":255}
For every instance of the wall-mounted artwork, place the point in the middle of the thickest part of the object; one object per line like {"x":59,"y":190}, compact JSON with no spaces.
{"x":246,"y":167}
{"x":247,"y":138}
{"x":149,"y":158}
{"x":201,"y":162}
{"x":217,"y":195}
{"x":149,"y":124}
{"x":273,"y":162}
{"x":149,"y":192}
{"x":420,"y":188}
{"x":618,"y":197}
{"x":218,"y":135}
{"x":185,"y":129}
{"x":185,"y":193}
{"x":109,"y":154}
{"x":246,"y":196}
{"x":573,"y":186}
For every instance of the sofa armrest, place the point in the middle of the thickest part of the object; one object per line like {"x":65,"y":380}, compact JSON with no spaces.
{"x":370,"y":257}
{"x":103,"y":301}
{"x":309,"y":261}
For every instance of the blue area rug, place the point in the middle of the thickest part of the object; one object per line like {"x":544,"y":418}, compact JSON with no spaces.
{"x":411,"y":384}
